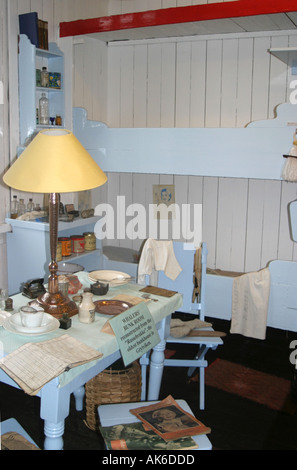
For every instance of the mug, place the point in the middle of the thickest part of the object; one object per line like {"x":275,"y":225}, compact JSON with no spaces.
{"x":30,"y":317}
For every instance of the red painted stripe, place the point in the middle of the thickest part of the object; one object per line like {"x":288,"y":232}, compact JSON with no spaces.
{"x":210,"y":11}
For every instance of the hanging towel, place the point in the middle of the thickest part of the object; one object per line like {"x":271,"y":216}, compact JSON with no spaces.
{"x":158,"y":255}
{"x":250,"y":297}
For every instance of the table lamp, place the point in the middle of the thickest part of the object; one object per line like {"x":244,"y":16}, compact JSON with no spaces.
{"x":54,"y":162}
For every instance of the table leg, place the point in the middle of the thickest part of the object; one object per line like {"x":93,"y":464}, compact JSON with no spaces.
{"x":53,"y":435}
{"x":156,"y":370}
{"x":79,"y":394}
{"x":54,"y":409}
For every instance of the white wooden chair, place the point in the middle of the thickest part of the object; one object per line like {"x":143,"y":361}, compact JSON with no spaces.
{"x":184,"y":284}
{"x":12,"y":425}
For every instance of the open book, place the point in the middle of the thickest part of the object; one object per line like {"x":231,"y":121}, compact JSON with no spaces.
{"x":34,"y":364}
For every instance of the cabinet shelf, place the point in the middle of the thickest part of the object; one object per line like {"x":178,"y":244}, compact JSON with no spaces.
{"x":288,"y":55}
{"x":31,"y":59}
{"x":49,"y":90}
{"x":28,"y":249}
{"x":49,"y":53}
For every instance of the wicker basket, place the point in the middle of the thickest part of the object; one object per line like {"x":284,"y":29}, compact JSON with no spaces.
{"x":112,"y":386}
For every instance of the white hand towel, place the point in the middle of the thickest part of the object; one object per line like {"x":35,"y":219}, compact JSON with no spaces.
{"x":158,"y":255}
{"x":250,"y":298}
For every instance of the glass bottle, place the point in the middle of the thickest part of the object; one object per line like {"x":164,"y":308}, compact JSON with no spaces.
{"x":43,"y":110}
{"x":22,"y":207}
{"x":14,"y":207}
{"x":86,"y":310}
{"x":30,"y":205}
{"x":44,"y":77}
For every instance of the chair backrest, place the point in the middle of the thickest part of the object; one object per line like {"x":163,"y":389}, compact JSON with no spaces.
{"x":184,"y":283}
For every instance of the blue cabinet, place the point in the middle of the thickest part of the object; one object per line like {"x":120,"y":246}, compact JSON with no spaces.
{"x":30,"y":60}
{"x":28,"y":249}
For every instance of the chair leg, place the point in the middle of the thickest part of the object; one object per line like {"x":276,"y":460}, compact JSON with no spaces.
{"x":202,"y":388}
{"x":143,"y":382}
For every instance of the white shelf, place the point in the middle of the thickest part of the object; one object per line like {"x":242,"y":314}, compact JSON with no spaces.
{"x":76,"y":257}
{"x":288,"y":55}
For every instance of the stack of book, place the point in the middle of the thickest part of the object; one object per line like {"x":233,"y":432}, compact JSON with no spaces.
{"x":161,"y":426}
{"x":35,"y":29}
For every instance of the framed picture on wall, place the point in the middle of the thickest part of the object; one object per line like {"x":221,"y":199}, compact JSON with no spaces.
{"x":164,"y":199}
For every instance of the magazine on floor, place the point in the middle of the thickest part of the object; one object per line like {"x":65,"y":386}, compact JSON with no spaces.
{"x":133,"y":436}
{"x":169,"y":420}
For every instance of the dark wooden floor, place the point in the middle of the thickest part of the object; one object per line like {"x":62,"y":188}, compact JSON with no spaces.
{"x":236,"y":423}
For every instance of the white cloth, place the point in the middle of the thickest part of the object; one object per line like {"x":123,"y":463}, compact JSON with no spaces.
{"x":158,"y":255}
{"x":250,"y":298}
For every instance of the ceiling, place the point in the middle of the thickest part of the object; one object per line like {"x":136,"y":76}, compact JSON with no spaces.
{"x":217,"y":18}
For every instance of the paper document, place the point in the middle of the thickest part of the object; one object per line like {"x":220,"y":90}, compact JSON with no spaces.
{"x":34,"y":364}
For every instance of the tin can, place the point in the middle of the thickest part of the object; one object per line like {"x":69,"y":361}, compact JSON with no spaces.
{"x":59,"y":252}
{"x":77,"y":243}
{"x":90,"y":241}
{"x":66,"y":246}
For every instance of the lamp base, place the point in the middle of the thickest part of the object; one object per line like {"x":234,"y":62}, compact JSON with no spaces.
{"x":56,"y":305}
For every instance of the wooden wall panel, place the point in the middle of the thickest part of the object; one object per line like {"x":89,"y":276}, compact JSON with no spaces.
{"x":245,"y":222}
{"x":167,"y":110}
{"x":244,"y":83}
{"x":154,"y":72}
{"x":218,"y":81}
{"x":140,"y":85}
{"x":229,"y":83}
{"x":197,"y":82}
{"x":231,"y":225}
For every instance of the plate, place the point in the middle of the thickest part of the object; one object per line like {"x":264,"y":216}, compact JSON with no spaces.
{"x":114,"y":278}
{"x":14,"y":325}
{"x":111,"y":307}
{"x":69,"y":268}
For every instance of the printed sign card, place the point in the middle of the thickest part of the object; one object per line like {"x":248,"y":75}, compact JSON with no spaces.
{"x":135,"y":331}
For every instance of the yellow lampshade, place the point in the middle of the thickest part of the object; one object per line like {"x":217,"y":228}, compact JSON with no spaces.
{"x":54,"y":162}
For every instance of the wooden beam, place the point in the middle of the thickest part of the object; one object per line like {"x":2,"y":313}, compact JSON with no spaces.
{"x":167,"y":16}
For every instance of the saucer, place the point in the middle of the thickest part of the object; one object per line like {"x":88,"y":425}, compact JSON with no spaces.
{"x":14,"y":325}
{"x":3,"y":316}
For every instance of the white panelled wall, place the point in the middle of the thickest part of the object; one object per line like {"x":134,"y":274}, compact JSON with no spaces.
{"x":224,"y":80}
{"x":245,"y":221}
{"x":213,"y":81}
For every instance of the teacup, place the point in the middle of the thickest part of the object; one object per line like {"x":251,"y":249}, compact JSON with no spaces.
{"x":30,"y":317}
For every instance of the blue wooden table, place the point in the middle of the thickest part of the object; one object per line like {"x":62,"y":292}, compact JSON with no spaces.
{"x":55,"y":395}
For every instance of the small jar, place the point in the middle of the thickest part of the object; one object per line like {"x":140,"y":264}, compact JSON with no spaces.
{"x":77,"y":244}
{"x":63,"y":284}
{"x":86,"y":309}
{"x":66,"y":245}
{"x":44,"y":76}
{"x":58,"y":120}
{"x":90,"y":241}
